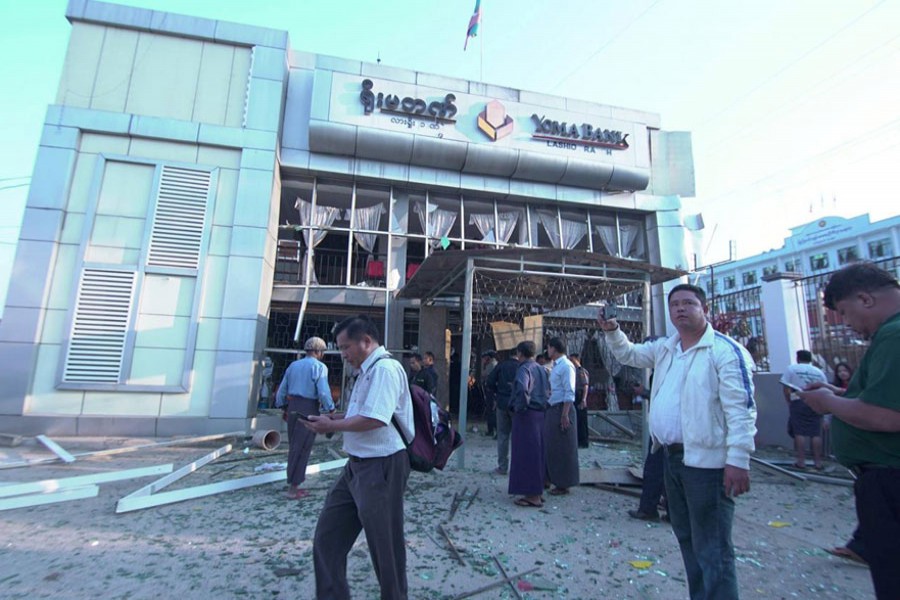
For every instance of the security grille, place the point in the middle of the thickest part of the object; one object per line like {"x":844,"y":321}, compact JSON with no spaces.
{"x":180,"y":217}
{"x":100,"y":326}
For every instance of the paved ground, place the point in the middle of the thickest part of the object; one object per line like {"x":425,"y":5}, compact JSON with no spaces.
{"x":253,"y":543}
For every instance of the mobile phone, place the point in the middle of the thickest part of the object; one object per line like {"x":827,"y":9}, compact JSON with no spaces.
{"x":793,"y":387}
{"x":610,"y":311}
{"x":301,"y":416}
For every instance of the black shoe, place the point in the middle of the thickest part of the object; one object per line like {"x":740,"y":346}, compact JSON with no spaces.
{"x":637,"y":514}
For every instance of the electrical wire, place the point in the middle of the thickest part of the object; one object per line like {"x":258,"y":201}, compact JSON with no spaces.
{"x":606,"y":44}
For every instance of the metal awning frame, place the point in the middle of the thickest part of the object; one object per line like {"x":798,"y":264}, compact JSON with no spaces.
{"x":629,"y":275}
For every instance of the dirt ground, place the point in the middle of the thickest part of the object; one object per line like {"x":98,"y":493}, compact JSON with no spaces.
{"x":254,"y":543}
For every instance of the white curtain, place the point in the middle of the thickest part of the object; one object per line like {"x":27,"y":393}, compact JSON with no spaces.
{"x":551,"y":226}
{"x":320,"y":219}
{"x":608,"y":238}
{"x":367,"y":218}
{"x":572,"y":231}
{"x":484,"y":222}
{"x":438,"y":223}
{"x":632,"y":241}
{"x":506,"y":226}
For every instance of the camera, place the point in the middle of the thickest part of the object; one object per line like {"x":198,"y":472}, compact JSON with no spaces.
{"x":610,"y":311}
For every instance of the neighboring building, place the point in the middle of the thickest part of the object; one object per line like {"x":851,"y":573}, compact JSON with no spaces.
{"x":188,"y":165}
{"x":820,"y":246}
{"x":810,"y":254}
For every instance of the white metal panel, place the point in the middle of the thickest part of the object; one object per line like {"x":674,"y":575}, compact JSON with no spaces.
{"x":88,"y":491}
{"x":100,"y":326}
{"x":55,"y":485}
{"x":179,"y":218}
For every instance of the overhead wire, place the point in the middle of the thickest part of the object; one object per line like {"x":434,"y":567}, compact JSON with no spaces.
{"x":605,"y":45}
{"x":797,"y":101}
{"x":746,"y":95}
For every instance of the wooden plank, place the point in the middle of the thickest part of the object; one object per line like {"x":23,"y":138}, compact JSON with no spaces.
{"x":54,"y":485}
{"x":618,"y":490}
{"x":187,"y":469}
{"x":88,"y":491}
{"x":620,"y":476}
{"x":452,"y":546}
{"x":56,"y":449}
{"x":129,"y":504}
{"x":503,"y":572}
{"x":124,"y":449}
{"x":613,"y":422}
{"x":496,"y":584}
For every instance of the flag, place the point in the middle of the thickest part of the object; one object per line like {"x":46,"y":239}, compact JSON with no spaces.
{"x":474,"y":21}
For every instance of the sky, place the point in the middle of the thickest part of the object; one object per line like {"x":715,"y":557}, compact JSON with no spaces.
{"x":792,"y":106}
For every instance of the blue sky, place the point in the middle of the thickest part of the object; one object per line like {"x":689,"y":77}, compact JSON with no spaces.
{"x":792,"y":105}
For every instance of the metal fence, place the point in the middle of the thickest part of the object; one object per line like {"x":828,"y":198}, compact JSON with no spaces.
{"x":739,"y":315}
{"x":830,"y":339}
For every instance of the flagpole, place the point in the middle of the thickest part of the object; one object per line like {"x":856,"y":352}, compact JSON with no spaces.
{"x":481,"y":48}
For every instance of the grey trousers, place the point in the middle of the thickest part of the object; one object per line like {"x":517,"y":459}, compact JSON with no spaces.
{"x":368,"y":497}
{"x":504,"y":428}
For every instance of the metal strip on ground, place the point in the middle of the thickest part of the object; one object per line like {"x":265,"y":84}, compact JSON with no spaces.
{"x":55,"y":449}
{"x":53,"y":485}
{"x":129,"y":504}
{"x":88,"y":491}
{"x":187,"y":469}
{"x":111,"y":451}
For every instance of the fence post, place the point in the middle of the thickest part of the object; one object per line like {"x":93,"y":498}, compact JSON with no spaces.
{"x":785,"y":319}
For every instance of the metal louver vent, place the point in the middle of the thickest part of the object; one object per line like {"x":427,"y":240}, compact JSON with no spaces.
{"x":179,"y":219}
{"x":100,"y":326}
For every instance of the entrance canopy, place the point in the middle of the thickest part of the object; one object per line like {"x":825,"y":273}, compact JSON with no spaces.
{"x":443,"y":274}
{"x":515,"y":284}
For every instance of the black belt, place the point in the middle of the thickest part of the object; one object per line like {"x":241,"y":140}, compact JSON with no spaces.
{"x":352,"y":458}
{"x":673,"y":448}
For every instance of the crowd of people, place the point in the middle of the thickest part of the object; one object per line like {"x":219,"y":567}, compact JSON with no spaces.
{"x":702,"y":422}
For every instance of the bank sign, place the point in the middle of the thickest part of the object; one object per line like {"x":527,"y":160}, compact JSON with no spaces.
{"x":457,"y":116}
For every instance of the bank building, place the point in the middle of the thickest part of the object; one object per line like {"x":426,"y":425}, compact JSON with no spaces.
{"x":204,"y":197}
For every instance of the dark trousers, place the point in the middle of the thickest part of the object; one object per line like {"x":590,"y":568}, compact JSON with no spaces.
{"x":654,"y":483}
{"x":300,"y":439}
{"x":490,"y":415}
{"x":878,"y":509}
{"x":582,"y":424}
{"x":701,"y":517}
{"x":504,"y":429}
{"x":368,"y":496}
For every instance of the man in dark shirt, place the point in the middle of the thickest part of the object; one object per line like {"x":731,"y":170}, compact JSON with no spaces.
{"x":500,"y":384}
{"x":865,"y":428}
{"x":430,"y":372}
{"x":419,"y":375}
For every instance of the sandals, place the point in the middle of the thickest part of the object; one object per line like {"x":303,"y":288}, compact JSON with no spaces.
{"x":528,"y":503}
{"x":558,"y":491}
{"x":298,"y":495}
{"x":847,"y":553}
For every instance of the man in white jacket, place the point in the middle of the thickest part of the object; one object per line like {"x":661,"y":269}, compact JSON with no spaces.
{"x":702,"y":415}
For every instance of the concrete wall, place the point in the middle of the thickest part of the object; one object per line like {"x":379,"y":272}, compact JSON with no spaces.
{"x":153,"y":89}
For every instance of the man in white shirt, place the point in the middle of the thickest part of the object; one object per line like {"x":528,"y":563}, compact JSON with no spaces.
{"x":369,"y":494}
{"x":703,"y":416}
{"x":804,"y":423}
{"x":560,"y":426}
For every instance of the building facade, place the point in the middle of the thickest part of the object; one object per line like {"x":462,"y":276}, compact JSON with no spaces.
{"x":817,"y":247}
{"x":204,"y":197}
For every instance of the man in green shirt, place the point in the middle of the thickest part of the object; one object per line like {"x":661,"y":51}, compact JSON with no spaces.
{"x":866,"y":424}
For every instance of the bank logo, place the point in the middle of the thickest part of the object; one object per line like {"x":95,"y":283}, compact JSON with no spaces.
{"x":494,"y":122}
